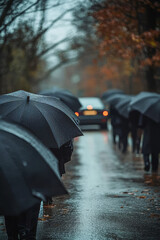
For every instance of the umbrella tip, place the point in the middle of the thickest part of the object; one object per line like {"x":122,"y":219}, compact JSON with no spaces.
{"x":28,"y":99}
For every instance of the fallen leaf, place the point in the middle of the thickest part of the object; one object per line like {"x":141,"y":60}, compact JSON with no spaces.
{"x":47,"y":216}
{"x":42,"y":219}
{"x":129,"y":193}
{"x":141,"y":197}
{"x":155,"y":215}
{"x":145,"y":190}
{"x":156,"y":191}
{"x":148,"y":181}
{"x":65,"y":210}
{"x":151,"y":199}
{"x":49,"y":206}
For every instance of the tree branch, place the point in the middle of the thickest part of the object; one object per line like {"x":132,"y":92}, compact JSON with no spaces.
{"x":5,"y":11}
{"x":47,"y":28}
{"x":51,"y":47}
{"x":52,"y":69}
{"x":18,"y":15}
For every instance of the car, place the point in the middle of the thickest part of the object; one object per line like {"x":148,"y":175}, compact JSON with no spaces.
{"x":92,"y":112}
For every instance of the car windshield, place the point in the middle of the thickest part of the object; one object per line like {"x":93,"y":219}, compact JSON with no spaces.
{"x":95,"y":102}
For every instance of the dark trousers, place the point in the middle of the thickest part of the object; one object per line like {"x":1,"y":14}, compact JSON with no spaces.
{"x":154,"y":160}
{"x":24,"y":226}
{"x":114,"y":136}
{"x":11,"y":223}
{"x":138,"y":142}
{"x":123,"y":142}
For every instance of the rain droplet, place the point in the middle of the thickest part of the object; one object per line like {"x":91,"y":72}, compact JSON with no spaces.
{"x":25,"y":163}
{"x":38,"y":194}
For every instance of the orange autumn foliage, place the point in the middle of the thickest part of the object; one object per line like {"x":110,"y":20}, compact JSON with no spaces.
{"x":114,"y":73}
{"x":121,"y":27}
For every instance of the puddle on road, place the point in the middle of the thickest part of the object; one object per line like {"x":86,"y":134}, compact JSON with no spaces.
{"x":104,"y":186}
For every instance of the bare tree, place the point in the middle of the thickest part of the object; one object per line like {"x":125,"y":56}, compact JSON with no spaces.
{"x":23,"y":44}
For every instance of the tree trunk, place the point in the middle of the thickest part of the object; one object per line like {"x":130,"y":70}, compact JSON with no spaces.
{"x":150,"y":79}
{"x":150,"y":24}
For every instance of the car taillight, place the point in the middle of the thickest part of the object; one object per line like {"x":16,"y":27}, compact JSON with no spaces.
{"x":105,"y":113}
{"x":77,"y":114}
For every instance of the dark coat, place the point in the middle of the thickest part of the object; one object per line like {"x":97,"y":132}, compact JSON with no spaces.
{"x":133,"y":123}
{"x":116,"y":121}
{"x":151,"y":135}
{"x":124,"y":126}
{"x":63,"y":154}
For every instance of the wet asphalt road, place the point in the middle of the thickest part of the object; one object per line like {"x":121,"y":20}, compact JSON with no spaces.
{"x":110,"y":196}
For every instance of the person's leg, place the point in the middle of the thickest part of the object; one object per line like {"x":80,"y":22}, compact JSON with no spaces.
{"x":119,"y":142}
{"x":134,"y":137}
{"x":114,"y":136}
{"x":22,"y":225}
{"x":33,"y":220}
{"x":124,"y":143}
{"x":138,"y":141}
{"x":28,"y":223}
{"x":133,"y":145}
{"x":11,"y":227}
{"x":155,"y":161}
{"x":146,"y":162}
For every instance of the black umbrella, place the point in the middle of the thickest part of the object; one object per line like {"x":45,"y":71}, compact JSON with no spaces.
{"x":114,"y":98}
{"x":28,"y":170}
{"x":110,"y":92}
{"x":148,"y":104}
{"x":65,"y":96}
{"x":123,"y":106}
{"x":47,"y":117}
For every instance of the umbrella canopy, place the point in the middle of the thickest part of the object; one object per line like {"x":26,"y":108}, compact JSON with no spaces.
{"x":28,"y":170}
{"x":123,"y":106}
{"x":115,"y":98}
{"x":148,"y":104}
{"x":110,"y":92}
{"x":65,"y":96}
{"x":47,"y":117}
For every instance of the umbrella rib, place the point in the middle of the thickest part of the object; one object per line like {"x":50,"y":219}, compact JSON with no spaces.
{"x":65,"y":111}
{"x":11,"y":110}
{"x":58,"y":103}
{"x":56,"y":120}
{"x":40,"y":110}
{"x":144,"y":109}
{"x":158,"y":100}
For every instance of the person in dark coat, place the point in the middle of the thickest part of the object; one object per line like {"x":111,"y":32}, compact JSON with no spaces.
{"x":63,"y":154}
{"x":151,"y":142}
{"x":123,"y":136}
{"x":135,"y":131}
{"x":115,"y":123}
{"x":120,"y":129}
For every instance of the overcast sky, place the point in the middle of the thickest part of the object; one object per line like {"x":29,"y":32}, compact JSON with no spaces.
{"x":64,"y":26}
